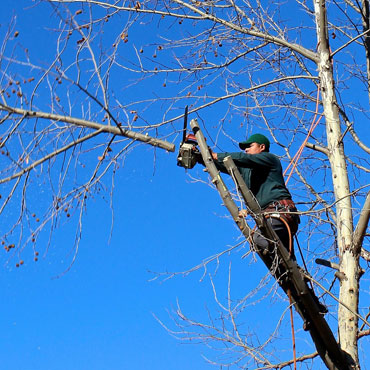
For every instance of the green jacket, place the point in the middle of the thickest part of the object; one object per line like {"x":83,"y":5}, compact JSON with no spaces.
{"x":261,"y":172}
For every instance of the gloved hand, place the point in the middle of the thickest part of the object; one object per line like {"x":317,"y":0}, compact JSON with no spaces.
{"x":198,"y":157}
{"x":243,"y":213}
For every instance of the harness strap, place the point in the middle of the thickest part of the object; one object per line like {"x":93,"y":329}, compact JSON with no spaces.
{"x":288,"y":203}
{"x":283,"y":208}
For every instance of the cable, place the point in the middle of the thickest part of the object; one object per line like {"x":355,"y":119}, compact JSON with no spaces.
{"x":303,"y":260}
{"x":288,"y":229}
{"x":288,"y":290}
{"x":298,"y":154}
{"x":293,"y":334}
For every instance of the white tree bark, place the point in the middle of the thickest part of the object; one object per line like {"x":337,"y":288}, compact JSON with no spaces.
{"x":349,"y":257}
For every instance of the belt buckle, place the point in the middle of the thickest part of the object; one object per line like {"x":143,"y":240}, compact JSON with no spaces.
{"x":276,"y":215}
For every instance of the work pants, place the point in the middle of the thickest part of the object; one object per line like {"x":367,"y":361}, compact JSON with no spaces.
{"x":281,"y":231}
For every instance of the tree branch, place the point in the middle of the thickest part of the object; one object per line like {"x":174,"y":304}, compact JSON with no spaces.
{"x":363,"y":333}
{"x":318,"y":148}
{"x":93,"y":125}
{"x":349,"y":42}
{"x":290,"y":362}
{"x":51,"y":155}
{"x":278,"y":41}
{"x":365,"y":254}
{"x":361,"y":226}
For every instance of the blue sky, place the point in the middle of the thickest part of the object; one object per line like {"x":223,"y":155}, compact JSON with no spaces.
{"x":101,"y":313}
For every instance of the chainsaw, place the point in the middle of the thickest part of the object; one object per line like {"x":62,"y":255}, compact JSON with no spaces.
{"x":188,"y":152}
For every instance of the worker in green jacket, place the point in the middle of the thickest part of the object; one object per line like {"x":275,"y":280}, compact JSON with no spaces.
{"x":262,"y":173}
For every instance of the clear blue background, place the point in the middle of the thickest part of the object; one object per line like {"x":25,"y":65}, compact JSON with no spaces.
{"x":100,"y":312}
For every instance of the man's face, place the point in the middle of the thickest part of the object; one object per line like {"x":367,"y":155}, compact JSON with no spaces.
{"x":255,"y":148}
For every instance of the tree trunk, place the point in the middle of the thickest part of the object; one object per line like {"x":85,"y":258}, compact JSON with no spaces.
{"x":349,"y":257}
{"x":365,"y":13}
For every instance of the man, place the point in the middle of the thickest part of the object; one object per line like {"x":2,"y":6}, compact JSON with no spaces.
{"x":262,"y":173}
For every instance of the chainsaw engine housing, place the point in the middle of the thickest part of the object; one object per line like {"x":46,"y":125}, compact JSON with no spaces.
{"x":188,"y":152}
{"x":187,"y":155}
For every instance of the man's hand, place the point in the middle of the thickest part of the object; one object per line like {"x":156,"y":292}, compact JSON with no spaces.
{"x":214,"y":156}
{"x":243,"y":213}
{"x":198,"y":157}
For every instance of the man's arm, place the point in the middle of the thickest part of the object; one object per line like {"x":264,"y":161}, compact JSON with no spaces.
{"x":248,"y":160}
{"x":219,"y":164}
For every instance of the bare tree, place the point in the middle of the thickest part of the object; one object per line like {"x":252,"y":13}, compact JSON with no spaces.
{"x":251,"y":65}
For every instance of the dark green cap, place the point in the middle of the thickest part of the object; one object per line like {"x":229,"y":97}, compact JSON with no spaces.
{"x":256,"y":138}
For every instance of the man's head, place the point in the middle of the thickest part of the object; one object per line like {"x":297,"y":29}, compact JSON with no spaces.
{"x":255,"y":144}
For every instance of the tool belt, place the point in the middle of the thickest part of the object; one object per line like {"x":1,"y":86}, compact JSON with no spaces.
{"x":284,"y":208}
